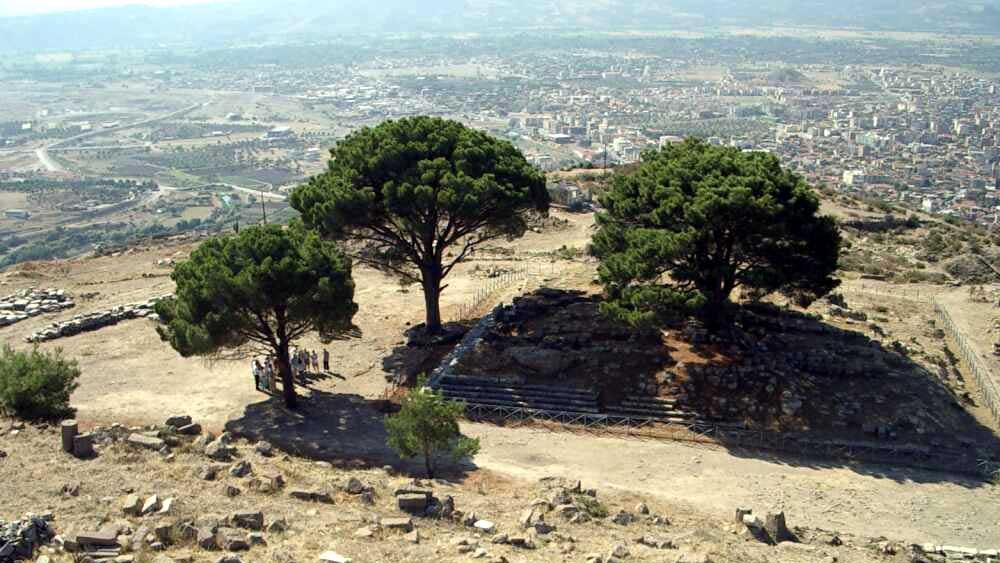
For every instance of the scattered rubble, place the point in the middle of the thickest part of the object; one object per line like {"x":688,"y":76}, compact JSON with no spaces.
{"x":21,"y":538}
{"x":31,"y":303}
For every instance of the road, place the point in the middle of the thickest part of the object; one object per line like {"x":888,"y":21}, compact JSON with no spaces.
{"x":52,"y":166}
{"x":46,"y":160}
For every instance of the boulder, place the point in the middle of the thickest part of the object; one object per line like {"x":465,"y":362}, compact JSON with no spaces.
{"x":397,"y":524}
{"x":240,"y":469}
{"x":542,"y":361}
{"x":179,"y":420}
{"x":619,"y":551}
{"x":248,"y":520}
{"x":413,"y":503}
{"x":658,"y":543}
{"x":219,"y":450}
{"x":777,"y":530}
{"x":231,"y":539}
{"x":163,"y":531}
{"x":208,"y":472}
{"x":530,"y":517}
{"x":143,"y":441}
{"x":523,"y":542}
{"x":132,"y":505}
{"x":193,"y":429}
{"x":83,"y":446}
{"x":264,"y":448}
{"x":623,"y":518}
{"x":354,"y":486}
{"x":312,"y":496}
{"x":485,"y":526}
{"x":102,"y":538}
{"x":151,"y":505}
{"x":206,"y":538}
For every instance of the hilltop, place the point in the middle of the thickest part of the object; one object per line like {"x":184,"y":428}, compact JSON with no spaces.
{"x":132,"y":378}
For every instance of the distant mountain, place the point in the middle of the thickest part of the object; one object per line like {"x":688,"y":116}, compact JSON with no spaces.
{"x":256,"y":20}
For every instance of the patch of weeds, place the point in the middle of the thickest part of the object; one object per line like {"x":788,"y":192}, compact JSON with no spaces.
{"x":591,"y":506}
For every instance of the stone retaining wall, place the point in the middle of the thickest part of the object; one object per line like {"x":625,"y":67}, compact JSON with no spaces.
{"x":95,"y":321}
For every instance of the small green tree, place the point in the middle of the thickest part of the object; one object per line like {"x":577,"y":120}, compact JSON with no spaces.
{"x":37,"y":385}
{"x":427,"y":426}
{"x":696,"y":221}
{"x":421,"y":194}
{"x":259,"y":291}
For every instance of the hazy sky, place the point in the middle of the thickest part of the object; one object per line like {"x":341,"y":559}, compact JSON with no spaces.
{"x":21,"y":7}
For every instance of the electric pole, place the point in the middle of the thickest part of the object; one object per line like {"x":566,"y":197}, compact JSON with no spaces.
{"x":263,"y":209}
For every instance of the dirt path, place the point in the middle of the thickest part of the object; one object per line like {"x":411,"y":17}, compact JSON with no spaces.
{"x":908,"y":505}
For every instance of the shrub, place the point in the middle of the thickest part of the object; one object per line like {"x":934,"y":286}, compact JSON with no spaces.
{"x":591,"y":506}
{"x":427,"y":426}
{"x":36,"y":385}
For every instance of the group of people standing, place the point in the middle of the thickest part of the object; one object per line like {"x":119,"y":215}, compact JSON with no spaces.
{"x":264,"y":372}
{"x":302,"y":360}
{"x":265,"y":369}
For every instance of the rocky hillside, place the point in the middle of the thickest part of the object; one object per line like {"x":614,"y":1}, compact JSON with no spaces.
{"x":164,"y":494}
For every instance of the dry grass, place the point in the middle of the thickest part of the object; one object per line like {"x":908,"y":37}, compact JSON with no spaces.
{"x":32,"y":475}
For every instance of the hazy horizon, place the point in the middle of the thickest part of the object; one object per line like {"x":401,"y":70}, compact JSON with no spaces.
{"x":13,"y":8}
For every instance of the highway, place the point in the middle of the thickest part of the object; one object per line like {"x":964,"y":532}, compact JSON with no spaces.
{"x":43,"y":153}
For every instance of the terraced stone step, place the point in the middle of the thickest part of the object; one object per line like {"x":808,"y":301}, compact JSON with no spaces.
{"x":652,"y":413}
{"x":650,"y":403}
{"x":551,"y":390}
{"x":517,"y":397}
{"x":661,"y":419}
{"x":534,"y":405}
{"x":517,"y":394}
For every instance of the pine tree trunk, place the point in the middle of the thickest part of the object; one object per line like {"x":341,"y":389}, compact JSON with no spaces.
{"x":432,"y":301}
{"x":429,"y":461}
{"x":287,"y":380}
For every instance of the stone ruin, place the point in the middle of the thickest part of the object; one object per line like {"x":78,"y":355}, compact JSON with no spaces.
{"x":21,"y":538}
{"x":31,"y":303}
{"x":95,"y":321}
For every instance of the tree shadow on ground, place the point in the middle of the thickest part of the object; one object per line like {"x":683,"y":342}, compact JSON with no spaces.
{"x":420,"y":356}
{"x":309,"y":379}
{"x":345,"y":430}
{"x":864,"y":405}
{"x":783,"y":387}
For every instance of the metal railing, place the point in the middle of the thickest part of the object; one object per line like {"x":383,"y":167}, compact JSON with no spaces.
{"x":956,"y":460}
{"x":982,"y":374}
{"x":485,"y":292}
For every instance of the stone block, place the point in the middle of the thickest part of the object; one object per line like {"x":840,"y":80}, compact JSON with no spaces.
{"x":412,"y":503}
{"x":83,"y":446}
{"x":132,"y":505}
{"x":231,"y":539}
{"x":248,"y":520}
{"x":397,"y":524}
{"x":178,"y":421}
{"x":148,"y":442}
{"x":69,"y":431}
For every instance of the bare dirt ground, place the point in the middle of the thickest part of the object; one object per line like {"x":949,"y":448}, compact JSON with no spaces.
{"x":909,"y":505}
{"x":130,"y":376}
{"x":35,"y":472}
